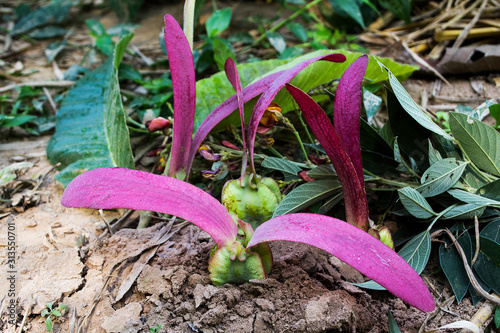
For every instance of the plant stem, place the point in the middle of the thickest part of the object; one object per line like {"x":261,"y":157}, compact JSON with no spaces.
{"x":301,"y":119}
{"x":290,"y":127}
{"x":275,"y":152}
{"x":289,"y":19}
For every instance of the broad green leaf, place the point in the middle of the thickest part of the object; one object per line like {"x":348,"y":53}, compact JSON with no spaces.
{"x":291,"y":52}
{"x":218,"y":22}
{"x":495,"y":113}
{"x":322,"y":171}
{"x":49,"y":31}
{"x":48,"y":324}
{"x":393,"y":325}
{"x":91,"y":128}
{"x":453,"y":266}
{"x":466,"y":211}
{"x":56,"y":12}
{"x":490,"y":190}
{"x":473,"y":198}
{"x":222,"y":52}
{"x":480,"y":142}
{"x":306,"y":195}
{"x":441,"y":176}
{"x":412,"y":108}
{"x":415,"y":203}
{"x":16,"y":120}
{"x":216,"y":89}
{"x":288,"y":168}
{"x":96,"y":28}
{"x":298,"y":30}
{"x":126,"y":10}
{"x":416,"y":253}
{"x":487,"y":264}
{"x":350,"y":8}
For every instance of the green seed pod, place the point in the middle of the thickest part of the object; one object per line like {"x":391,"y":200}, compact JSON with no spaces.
{"x":252,"y":203}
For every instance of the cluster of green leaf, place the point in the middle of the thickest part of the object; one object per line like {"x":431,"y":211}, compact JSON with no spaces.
{"x":52,"y":313}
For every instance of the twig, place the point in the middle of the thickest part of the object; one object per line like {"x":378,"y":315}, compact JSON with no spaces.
{"x":38,"y":84}
{"x":106,"y":222}
{"x":148,"y":61}
{"x":50,"y":99}
{"x":481,"y":316}
{"x":26,"y":314}
{"x":469,"y":26}
{"x":476,"y":230}
{"x":477,"y":287}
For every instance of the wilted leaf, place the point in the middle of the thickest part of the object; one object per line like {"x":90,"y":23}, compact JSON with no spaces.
{"x":91,"y":128}
{"x":8,"y":173}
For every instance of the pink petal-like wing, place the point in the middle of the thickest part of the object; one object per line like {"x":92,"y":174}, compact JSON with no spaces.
{"x":184,"y":88}
{"x":347,"y":111}
{"x":268,"y":96}
{"x":234,"y":78}
{"x":111,"y":188}
{"x":353,"y":246}
{"x":225,"y":109}
{"x":356,"y":207}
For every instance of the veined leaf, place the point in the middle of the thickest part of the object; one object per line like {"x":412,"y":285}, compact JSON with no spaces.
{"x":56,"y":11}
{"x":91,"y":129}
{"x":479,"y":141}
{"x":441,"y":176}
{"x":306,"y":195}
{"x":415,"y":203}
{"x":393,"y":326}
{"x":412,"y":108}
{"x":322,"y":171}
{"x":288,"y":168}
{"x":434,"y":154}
{"x":490,"y":190}
{"x":465,"y":211}
{"x":473,"y":198}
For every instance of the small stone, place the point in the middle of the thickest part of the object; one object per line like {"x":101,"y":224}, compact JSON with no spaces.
{"x":264,"y":304}
{"x":195,"y":279}
{"x":31,"y":224}
{"x":124,"y":320}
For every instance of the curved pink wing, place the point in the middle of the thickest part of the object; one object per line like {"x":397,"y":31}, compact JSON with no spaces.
{"x":353,"y":246}
{"x":111,"y":188}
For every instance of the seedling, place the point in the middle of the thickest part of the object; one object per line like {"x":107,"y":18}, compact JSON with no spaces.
{"x":50,"y":312}
{"x":155,"y":329}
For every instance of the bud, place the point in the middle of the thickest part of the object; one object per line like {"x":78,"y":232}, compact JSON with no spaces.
{"x":383,"y":234}
{"x":252,"y":203}
{"x":158,"y":124}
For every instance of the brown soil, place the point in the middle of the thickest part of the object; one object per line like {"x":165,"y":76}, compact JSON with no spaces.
{"x":307,"y":291}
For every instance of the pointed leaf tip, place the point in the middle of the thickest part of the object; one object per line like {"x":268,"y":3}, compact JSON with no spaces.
{"x":111,"y":188}
{"x":353,"y":246}
{"x":347,"y":111}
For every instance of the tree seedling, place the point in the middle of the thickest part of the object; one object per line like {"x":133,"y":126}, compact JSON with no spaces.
{"x":52,"y":312}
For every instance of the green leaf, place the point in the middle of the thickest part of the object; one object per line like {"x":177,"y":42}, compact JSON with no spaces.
{"x":291,"y":52}
{"x":44,"y":312}
{"x":497,"y":317}
{"x":400,"y":8}
{"x":16,"y":120}
{"x":48,"y":324}
{"x":222,"y":51}
{"x":490,"y":190}
{"x":105,"y":44}
{"x":126,"y":10}
{"x":412,"y":108}
{"x":322,"y":171}
{"x":8,"y":173}
{"x":49,"y":31}
{"x":466,"y":211}
{"x":298,"y":30}
{"x":307,"y":195}
{"x":453,"y":266}
{"x":351,"y":8}
{"x":479,"y":141}
{"x":495,"y":113}
{"x":95,"y":27}
{"x":277,"y":41}
{"x":393,"y":325}
{"x":56,"y":313}
{"x":434,"y":154}
{"x":56,"y":12}
{"x":415,"y":203}
{"x":473,"y":198}
{"x":91,"y":128}
{"x":487,"y":264}
{"x":53,"y":49}
{"x":441,"y":176}
{"x":218,"y":22}
{"x":372,"y":103}
{"x":287,"y":167}
{"x":416,"y":253}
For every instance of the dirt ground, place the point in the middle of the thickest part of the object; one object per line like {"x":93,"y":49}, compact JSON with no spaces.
{"x":133,"y":280}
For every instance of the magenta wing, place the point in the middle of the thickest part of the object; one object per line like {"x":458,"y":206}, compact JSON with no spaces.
{"x":353,"y":246}
{"x":347,"y":111}
{"x":234,"y":79}
{"x":356,"y":206}
{"x":269,"y":94}
{"x":184,"y":88}
{"x":111,"y":188}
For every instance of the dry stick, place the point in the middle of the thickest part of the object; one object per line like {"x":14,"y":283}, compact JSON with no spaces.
{"x":476,"y":230}
{"x":459,"y":15}
{"x":472,"y":23}
{"x":26,"y":314}
{"x":477,"y":287}
{"x":481,"y":316}
{"x":38,"y":84}
{"x":50,"y":99}
{"x":106,"y":222}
